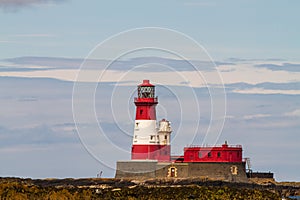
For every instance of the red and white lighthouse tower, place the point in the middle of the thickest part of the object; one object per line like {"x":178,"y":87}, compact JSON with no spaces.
{"x":149,"y":142}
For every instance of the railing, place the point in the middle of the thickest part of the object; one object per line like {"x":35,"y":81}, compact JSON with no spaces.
{"x":136,"y":99}
{"x":210,"y":146}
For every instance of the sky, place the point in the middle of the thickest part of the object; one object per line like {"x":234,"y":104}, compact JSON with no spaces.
{"x":224,"y":70}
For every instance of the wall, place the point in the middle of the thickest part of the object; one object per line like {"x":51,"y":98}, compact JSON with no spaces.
{"x":215,"y":171}
{"x":136,"y":169}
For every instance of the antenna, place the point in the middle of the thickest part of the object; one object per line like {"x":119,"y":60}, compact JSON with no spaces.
{"x":248,"y":165}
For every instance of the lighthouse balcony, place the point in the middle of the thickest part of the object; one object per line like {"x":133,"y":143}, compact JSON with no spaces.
{"x":145,"y":100}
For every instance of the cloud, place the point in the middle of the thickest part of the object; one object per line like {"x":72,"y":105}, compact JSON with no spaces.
{"x":49,"y":61}
{"x":244,"y":78}
{"x":252,"y":60}
{"x":295,"y":113}
{"x":264,"y":88}
{"x":21,"y":69}
{"x":39,"y":134}
{"x":266,"y":91}
{"x":256,"y":116}
{"x":28,"y":99}
{"x":280,"y":86}
{"x":14,"y":5}
{"x":249,"y":73}
{"x":291,"y":67}
{"x":229,"y":117}
{"x":149,"y":64}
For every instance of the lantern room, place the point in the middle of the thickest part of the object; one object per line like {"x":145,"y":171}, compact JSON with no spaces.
{"x":146,"y":90}
{"x":146,"y":101}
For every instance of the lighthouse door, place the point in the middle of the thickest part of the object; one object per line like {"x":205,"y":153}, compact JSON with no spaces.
{"x":173,"y":172}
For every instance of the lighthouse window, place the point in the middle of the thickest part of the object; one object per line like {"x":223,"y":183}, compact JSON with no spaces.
{"x":234,"y":170}
{"x":166,"y":137}
{"x":141,"y":112}
{"x":139,"y":92}
{"x":219,"y":154}
{"x":146,"y":92}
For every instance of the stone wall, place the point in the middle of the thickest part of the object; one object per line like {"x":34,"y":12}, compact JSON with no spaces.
{"x":211,"y":171}
{"x":181,"y":170}
{"x":219,"y":171}
{"x":136,"y":169}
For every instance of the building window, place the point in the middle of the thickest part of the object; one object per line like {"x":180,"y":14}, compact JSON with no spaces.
{"x":166,"y":137}
{"x":234,"y":170}
{"x":151,"y":137}
{"x":219,"y":154}
{"x":200,"y":154}
{"x":209,"y":154}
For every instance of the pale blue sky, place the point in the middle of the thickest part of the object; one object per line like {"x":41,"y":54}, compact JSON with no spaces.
{"x":71,"y":28}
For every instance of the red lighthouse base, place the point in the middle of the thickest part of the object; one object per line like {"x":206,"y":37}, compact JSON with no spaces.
{"x":151,"y":152}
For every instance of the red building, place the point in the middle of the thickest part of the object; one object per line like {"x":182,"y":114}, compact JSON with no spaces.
{"x":224,"y":153}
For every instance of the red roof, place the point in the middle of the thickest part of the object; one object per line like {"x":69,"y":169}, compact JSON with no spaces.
{"x":146,"y":83}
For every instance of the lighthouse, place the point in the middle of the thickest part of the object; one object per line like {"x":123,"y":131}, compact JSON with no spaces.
{"x":149,"y":141}
{"x":150,"y":153}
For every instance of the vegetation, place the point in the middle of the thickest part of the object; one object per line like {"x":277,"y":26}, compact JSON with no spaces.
{"x":192,"y":192}
{"x":22,"y":189}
